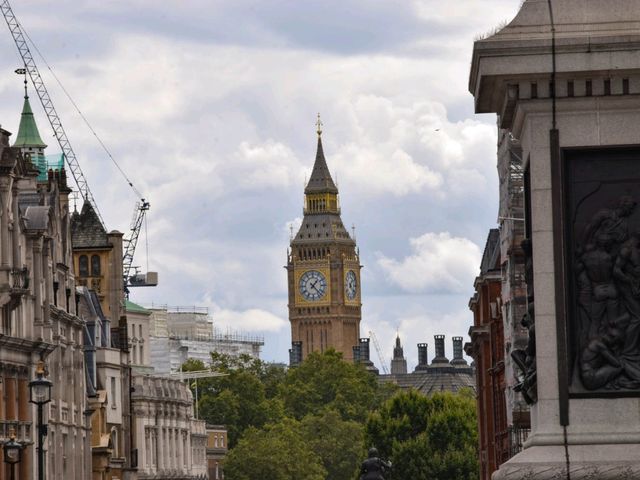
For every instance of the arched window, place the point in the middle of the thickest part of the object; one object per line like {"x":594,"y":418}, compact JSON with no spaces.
{"x":95,"y":265}
{"x":114,"y":442}
{"x":83,"y":266}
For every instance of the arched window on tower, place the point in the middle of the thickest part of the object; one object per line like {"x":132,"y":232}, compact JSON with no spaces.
{"x":83,"y":266}
{"x":95,"y":266}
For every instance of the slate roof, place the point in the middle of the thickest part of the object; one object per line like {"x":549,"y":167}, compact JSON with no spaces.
{"x":320,"y":181}
{"x":87,"y":230}
{"x":491,"y":256}
{"x":324,"y":227}
{"x":28,"y":134}
{"x":435,"y":378}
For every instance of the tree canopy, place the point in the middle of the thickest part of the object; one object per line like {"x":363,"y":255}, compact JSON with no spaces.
{"x":430,"y":438}
{"x":316,"y":421}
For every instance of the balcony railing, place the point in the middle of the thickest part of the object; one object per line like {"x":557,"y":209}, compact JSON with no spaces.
{"x":20,"y":278}
{"x":517,"y":437}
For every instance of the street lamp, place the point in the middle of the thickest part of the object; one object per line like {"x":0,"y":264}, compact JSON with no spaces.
{"x":40,"y":394}
{"x":12,"y":452}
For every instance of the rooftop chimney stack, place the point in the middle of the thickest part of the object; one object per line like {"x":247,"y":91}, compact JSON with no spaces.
{"x":356,"y":354}
{"x":423,"y":358}
{"x":295,"y":354}
{"x":364,"y":356}
{"x":440,"y":357}
{"x":458,"y":359}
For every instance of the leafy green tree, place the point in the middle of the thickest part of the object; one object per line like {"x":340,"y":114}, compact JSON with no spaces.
{"x":325,"y":380}
{"x":277,"y":452}
{"x":430,"y":438}
{"x":239,"y":399}
{"x":339,"y":443}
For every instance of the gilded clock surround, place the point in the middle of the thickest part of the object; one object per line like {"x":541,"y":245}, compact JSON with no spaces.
{"x":323,"y":244}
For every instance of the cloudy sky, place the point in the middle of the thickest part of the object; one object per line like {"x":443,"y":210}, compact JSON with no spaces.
{"x":210,"y":106}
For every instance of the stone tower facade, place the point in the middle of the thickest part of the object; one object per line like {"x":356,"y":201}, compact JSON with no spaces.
{"x":399,"y":362}
{"x":323,"y":269}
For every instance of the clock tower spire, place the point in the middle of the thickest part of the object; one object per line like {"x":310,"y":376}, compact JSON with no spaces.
{"x":323,"y":270}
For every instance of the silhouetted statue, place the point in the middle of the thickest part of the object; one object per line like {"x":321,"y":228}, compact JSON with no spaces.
{"x":525,"y":359}
{"x":374,"y":468}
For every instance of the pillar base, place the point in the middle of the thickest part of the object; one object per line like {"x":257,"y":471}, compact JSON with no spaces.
{"x":586,"y":462}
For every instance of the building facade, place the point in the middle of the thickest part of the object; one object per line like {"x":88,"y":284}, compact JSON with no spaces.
{"x":323,"y":269}
{"x":487,"y":350}
{"x":170,"y":442}
{"x":97,"y":261}
{"x":216,"y":451}
{"x":38,"y":315}
{"x":178,"y":334}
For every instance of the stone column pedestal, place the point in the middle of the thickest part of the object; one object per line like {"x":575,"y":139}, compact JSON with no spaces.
{"x":577,"y":75}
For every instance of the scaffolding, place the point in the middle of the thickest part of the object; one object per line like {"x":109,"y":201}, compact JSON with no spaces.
{"x":512,"y":232}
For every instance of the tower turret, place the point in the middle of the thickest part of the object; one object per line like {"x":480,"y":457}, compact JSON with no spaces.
{"x":323,"y":270}
{"x":398,"y":363}
{"x":29,"y":140}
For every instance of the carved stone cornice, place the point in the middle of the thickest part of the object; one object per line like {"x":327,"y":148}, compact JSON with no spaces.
{"x":26,"y":345}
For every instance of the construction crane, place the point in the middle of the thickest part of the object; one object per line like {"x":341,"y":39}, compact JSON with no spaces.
{"x":137,"y":280}
{"x":47,"y":104}
{"x":20,"y":38}
{"x":383,"y":362}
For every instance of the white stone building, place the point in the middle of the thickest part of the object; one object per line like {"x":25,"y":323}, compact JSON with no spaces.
{"x":171,"y":443}
{"x":38,"y":319}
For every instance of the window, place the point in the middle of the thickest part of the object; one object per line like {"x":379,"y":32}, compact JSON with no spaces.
{"x":83,"y":266}
{"x":113,"y":393}
{"x":95,"y":266}
{"x":141,"y":354}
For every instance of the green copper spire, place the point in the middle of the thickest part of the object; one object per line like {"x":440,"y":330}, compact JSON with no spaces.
{"x":28,"y":135}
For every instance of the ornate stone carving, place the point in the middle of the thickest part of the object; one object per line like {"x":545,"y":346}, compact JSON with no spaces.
{"x":525,"y":358}
{"x":603,"y":272}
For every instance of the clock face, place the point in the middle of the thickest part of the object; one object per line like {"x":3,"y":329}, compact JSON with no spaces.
{"x":313,"y":285}
{"x":351,"y":284}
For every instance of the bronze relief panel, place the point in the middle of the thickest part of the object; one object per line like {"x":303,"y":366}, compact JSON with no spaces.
{"x":602,"y":190}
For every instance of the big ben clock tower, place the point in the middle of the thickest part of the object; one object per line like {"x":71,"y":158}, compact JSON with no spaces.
{"x":323,"y":268}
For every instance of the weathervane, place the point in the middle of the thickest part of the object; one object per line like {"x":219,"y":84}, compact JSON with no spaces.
{"x":319,"y":125}
{"x":23,"y":71}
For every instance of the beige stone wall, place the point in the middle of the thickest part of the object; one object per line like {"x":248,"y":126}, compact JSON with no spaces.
{"x":38,"y":321}
{"x":171,"y":443}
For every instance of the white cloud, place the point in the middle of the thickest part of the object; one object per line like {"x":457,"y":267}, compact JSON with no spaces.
{"x":439,"y":263}
{"x":252,"y":320}
{"x":268,"y":165}
{"x":215,"y":126}
{"x":412,"y":149}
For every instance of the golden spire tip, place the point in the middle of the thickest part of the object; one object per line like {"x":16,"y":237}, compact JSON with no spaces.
{"x":319,"y":126}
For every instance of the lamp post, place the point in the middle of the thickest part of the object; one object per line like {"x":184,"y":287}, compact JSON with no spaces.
{"x":12,"y":452}
{"x":40,"y":394}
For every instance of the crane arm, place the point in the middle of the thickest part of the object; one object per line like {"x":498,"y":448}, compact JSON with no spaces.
{"x":38,"y":84}
{"x":379,"y":352}
{"x":131,"y":243}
